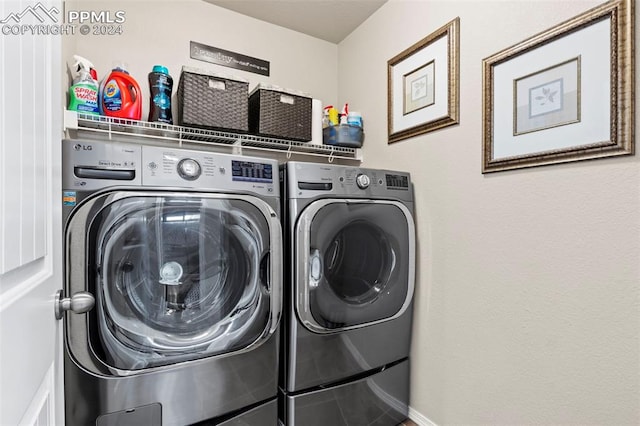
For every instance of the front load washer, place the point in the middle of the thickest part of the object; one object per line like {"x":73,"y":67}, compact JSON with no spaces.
{"x":181,"y":252}
{"x":350,"y":238}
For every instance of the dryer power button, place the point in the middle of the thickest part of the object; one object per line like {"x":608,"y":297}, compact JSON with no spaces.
{"x":363,"y":181}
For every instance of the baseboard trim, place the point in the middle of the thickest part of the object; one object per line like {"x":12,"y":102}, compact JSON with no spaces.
{"x":419,"y":418}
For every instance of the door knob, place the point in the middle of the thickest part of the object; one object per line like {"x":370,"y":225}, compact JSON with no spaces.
{"x":79,"y":303}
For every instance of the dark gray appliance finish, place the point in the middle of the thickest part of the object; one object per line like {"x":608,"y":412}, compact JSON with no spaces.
{"x":349,"y":279}
{"x":150,"y":415}
{"x":376,"y":400}
{"x":182,"y":251}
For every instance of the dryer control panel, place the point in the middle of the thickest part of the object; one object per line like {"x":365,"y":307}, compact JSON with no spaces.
{"x":310,"y":180}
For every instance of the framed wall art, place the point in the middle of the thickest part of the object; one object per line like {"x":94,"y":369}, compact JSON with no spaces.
{"x":566,"y":94}
{"x":423,"y":84}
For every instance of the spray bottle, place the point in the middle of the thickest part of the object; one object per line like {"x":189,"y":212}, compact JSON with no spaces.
{"x":332,"y":116}
{"x":83,"y":93}
{"x":344,"y":114}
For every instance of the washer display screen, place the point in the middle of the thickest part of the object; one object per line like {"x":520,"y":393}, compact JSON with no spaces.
{"x":252,"y":172}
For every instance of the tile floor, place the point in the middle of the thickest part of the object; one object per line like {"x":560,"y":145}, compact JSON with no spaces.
{"x":407,"y":423}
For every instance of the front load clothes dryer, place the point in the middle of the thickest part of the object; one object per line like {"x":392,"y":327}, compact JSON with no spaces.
{"x":348,"y":295}
{"x":181,"y":251}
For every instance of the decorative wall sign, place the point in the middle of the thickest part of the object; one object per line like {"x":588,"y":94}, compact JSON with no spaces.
{"x":423,"y":84}
{"x":562,"y":95}
{"x":205,"y":53}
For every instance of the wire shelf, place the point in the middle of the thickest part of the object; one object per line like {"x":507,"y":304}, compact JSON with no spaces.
{"x":213,"y":138}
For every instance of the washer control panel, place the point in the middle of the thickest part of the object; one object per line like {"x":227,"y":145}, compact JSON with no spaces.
{"x":207,"y":170}
{"x":89,"y":165}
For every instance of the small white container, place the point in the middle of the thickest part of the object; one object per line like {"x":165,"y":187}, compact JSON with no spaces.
{"x":354,"y":119}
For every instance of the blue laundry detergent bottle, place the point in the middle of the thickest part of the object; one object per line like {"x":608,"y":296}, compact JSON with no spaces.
{"x":160,"y":87}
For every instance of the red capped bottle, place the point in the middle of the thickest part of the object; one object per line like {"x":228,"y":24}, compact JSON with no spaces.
{"x":120,"y":95}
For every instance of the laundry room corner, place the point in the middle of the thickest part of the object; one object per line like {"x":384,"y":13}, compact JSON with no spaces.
{"x":526,"y":296}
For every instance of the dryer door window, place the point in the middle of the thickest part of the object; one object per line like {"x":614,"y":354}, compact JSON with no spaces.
{"x":178,"y":278}
{"x":355,"y":263}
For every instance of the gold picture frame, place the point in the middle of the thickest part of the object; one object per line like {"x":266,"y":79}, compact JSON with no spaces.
{"x":422,"y":83}
{"x":566,"y":94}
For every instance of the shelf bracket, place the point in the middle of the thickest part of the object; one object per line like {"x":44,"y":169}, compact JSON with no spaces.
{"x":289,"y":151}
{"x":237,"y":147}
{"x":70,"y":120}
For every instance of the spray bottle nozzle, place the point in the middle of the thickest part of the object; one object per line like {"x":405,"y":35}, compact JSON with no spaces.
{"x":83,"y":64}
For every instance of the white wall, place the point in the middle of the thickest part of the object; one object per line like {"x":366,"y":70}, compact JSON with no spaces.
{"x":527,"y":301}
{"x":159,"y":32}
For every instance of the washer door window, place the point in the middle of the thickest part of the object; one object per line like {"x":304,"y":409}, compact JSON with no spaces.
{"x":178,"y":278}
{"x":355,"y":263}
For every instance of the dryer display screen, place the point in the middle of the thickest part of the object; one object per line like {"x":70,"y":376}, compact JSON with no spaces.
{"x":252,"y":172}
{"x":397,"y":181}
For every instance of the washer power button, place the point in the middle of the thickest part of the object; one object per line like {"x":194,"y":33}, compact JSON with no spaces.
{"x":189,"y":169}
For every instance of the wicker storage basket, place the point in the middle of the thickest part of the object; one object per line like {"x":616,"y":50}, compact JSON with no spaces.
{"x":212,"y":101}
{"x":280,"y":113}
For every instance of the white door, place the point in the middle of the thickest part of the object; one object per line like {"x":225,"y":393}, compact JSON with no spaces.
{"x":30,"y":212}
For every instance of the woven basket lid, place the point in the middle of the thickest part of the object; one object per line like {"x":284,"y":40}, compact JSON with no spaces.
{"x":224,"y":76}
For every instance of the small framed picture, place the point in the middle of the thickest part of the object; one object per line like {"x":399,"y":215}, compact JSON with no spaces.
{"x":563,"y":95}
{"x":547,"y":98}
{"x":419,"y":88}
{"x":423,"y":85}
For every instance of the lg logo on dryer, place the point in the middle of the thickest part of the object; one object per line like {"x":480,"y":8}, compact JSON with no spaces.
{"x":79,"y":147}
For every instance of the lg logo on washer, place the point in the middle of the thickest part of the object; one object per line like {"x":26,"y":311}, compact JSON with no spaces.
{"x":79,"y":147}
